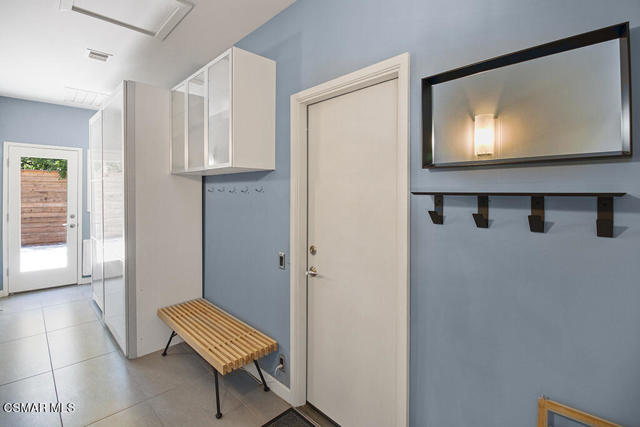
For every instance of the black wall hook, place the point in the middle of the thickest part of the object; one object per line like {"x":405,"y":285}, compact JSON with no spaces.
{"x":438,"y":206}
{"x":536,"y":219}
{"x":482,"y":217}
{"x":604,"y":223}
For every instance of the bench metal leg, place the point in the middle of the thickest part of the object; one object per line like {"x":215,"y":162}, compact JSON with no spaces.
{"x":264,"y":383}
{"x":173,"y":334}
{"x":215,"y":377}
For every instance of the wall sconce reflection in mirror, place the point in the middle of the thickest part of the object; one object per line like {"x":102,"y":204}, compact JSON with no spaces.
{"x":568,"y":99}
{"x":484,"y":134}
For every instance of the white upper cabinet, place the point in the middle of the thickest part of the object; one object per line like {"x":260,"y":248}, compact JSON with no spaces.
{"x":223,"y":117}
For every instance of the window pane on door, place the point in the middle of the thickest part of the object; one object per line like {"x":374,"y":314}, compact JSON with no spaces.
{"x":43,"y":213}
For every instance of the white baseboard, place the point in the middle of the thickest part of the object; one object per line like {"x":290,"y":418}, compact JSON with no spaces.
{"x":276,"y":386}
{"x":3,"y":293}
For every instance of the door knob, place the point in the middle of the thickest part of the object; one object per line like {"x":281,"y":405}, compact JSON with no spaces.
{"x":312,"y":272}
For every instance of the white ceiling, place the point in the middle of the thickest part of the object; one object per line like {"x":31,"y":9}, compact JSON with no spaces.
{"x":43,"y":49}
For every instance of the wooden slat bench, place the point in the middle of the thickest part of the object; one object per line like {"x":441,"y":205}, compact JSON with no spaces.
{"x":222,"y":340}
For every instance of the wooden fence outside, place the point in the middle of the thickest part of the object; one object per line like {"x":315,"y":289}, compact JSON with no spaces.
{"x":43,"y":197}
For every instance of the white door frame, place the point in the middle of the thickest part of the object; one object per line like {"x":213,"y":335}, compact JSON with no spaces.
{"x":5,"y":208}
{"x":396,"y":67}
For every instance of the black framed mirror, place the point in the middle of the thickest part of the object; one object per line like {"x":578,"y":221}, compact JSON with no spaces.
{"x":565,"y":100}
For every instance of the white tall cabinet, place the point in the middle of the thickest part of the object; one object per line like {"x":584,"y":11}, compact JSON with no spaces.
{"x":146,"y":224}
{"x":223,"y":116}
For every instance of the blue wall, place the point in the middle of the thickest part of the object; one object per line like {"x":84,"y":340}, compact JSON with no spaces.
{"x":48,"y":124}
{"x":499,"y":315}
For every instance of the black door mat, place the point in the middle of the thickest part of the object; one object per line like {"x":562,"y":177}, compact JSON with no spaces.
{"x":289,"y":418}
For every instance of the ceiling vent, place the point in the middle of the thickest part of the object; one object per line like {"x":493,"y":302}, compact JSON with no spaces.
{"x":98,"y":56}
{"x":84,"y":98}
{"x":154,"y":18}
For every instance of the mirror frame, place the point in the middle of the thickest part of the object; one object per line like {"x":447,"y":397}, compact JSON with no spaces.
{"x":619,"y":31}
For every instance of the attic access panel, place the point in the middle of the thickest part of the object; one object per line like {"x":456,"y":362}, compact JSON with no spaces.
{"x":155,"y":18}
{"x":568,"y":99}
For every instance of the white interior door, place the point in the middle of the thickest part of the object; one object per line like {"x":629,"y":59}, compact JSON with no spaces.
{"x":42,"y":216}
{"x":353,"y":204}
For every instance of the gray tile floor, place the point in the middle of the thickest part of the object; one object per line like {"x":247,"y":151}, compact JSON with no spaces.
{"x":53,"y":348}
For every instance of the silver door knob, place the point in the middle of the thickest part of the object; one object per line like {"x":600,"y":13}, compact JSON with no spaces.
{"x":312,"y":272}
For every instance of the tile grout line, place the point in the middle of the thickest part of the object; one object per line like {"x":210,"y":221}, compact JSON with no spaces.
{"x":146,"y":399}
{"x":237,"y":395}
{"x":53,"y":375}
{"x":65,"y":302}
{"x":228,"y":390}
{"x":41,"y":293}
{"x":41,"y":306}
{"x":21,"y":338}
{"x":84,"y":322}
{"x":84,"y":360}
{"x":52,"y":330}
{"x":134,"y":404}
{"x":24,"y":378}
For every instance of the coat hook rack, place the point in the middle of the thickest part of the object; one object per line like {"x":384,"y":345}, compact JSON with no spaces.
{"x":604,"y":222}
{"x":482,"y":217}
{"x":536,"y":219}
{"x":438,"y":209}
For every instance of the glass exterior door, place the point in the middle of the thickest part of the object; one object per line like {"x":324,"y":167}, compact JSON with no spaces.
{"x":42,"y":217}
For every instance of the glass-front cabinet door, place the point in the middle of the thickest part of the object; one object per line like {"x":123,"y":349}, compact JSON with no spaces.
{"x":178,"y":141}
{"x":219,"y":138}
{"x":113,"y":216}
{"x":95,"y":181}
{"x":196,"y":92}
